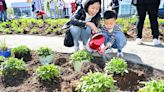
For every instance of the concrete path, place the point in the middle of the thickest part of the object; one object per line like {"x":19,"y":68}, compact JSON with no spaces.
{"x":146,"y":53}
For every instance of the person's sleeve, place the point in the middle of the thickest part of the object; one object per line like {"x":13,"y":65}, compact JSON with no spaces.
{"x":75,"y":20}
{"x":97,"y":21}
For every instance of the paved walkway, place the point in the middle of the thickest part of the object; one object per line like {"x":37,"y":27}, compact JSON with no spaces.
{"x":146,"y":53}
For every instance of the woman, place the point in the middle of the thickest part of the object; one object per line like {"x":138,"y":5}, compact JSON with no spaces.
{"x":85,"y":20}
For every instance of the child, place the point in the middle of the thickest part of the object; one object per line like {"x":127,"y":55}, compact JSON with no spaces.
{"x":40,"y":14}
{"x":114,"y":37}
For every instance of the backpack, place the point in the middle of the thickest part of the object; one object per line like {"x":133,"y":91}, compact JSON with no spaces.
{"x":68,"y":39}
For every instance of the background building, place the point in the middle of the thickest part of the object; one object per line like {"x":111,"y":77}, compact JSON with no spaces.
{"x":126,"y":8}
{"x":21,"y":9}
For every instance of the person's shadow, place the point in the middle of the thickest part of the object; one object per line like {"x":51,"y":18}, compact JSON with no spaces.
{"x":151,"y":45}
{"x":127,"y":56}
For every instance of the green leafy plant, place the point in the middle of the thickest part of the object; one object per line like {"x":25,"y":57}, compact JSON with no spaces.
{"x":44,"y":51}
{"x":96,"y":82}
{"x":3,"y":45}
{"x":81,"y":55}
{"x":7,"y":31}
{"x":48,"y":72}
{"x":48,"y":21}
{"x":116,"y":65}
{"x":56,"y":30}
{"x":0,"y":72}
{"x":49,"y":30}
{"x":2,"y":59}
{"x":34,"y":30}
{"x":12,"y":66}
{"x":20,"y":30}
{"x":14,"y":23}
{"x":1,"y":29}
{"x":153,"y":86}
{"x":40,"y":23}
{"x":4,"y":24}
{"x":15,"y":28}
{"x":22,"y":52}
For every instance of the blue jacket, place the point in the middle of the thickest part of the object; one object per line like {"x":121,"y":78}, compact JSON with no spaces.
{"x":110,"y":37}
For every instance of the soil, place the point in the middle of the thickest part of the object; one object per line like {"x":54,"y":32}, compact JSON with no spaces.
{"x":146,"y":33}
{"x":69,"y":79}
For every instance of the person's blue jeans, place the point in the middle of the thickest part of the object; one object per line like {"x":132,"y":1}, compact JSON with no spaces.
{"x":3,"y":16}
{"x":80,"y":33}
{"x":120,"y":41}
{"x":53,"y":13}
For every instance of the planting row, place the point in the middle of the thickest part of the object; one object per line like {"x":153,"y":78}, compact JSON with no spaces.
{"x":32,"y":26}
{"x":89,"y":82}
{"x":50,"y":26}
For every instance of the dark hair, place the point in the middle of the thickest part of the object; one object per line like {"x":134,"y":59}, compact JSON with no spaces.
{"x":90,"y":2}
{"x":109,"y":14}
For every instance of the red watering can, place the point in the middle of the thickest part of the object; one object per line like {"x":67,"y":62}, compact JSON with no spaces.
{"x":96,"y":41}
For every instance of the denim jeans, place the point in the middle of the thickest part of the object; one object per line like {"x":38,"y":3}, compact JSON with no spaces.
{"x":152,"y":10}
{"x":3,"y":16}
{"x":120,"y":40}
{"x":79,"y":33}
{"x":53,"y":13}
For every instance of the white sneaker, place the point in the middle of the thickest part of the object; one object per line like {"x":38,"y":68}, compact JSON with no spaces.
{"x":138,"y":41}
{"x":120,"y":54}
{"x":156,"y":42}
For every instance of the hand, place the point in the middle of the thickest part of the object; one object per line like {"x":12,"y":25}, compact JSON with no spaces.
{"x":102,"y":51}
{"x":92,"y":26}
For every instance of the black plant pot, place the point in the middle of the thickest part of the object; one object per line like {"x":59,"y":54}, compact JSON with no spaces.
{"x":26,"y":57}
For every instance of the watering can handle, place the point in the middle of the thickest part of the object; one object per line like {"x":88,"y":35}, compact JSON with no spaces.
{"x":98,"y":50}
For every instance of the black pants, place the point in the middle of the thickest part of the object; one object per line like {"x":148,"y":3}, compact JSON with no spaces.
{"x":152,"y":10}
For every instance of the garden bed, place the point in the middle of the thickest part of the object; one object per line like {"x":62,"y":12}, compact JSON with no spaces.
{"x":29,"y":82}
{"x":52,"y":27}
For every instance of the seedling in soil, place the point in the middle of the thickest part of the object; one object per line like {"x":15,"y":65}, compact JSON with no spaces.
{"x":48,"y":72}
{"x":12,"y":66}
{"x":34,"y":30}
{"x":81,"y":55}
{"x":2,"y":59}
{"x":7,"y":31}
{"x":96,"y":82}
{"x":22,"y":52}
{"x":116,"y":65}
{"x":44,"y":51}
{"x":153,"y":86}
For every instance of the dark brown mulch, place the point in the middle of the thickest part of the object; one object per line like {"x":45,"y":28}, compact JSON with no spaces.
{"x":146,"y":34}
